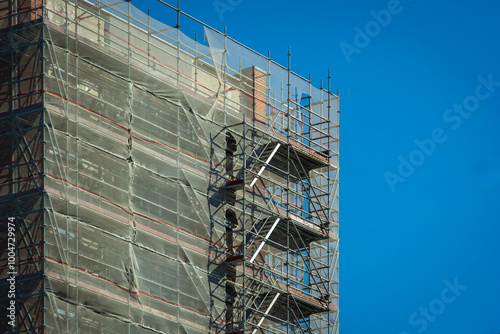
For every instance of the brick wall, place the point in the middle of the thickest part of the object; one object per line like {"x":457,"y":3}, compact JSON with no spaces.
{"x":255,"y":94}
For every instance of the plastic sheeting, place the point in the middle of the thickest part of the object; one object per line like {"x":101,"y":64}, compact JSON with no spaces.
{"x":134,"y":247}
{"x":127,"y":187}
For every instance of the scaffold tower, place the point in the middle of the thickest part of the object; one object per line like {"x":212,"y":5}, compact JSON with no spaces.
{"x":160,"y":182}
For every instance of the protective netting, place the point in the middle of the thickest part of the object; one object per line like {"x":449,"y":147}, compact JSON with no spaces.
{"x":130,"y":169}
{"x":187,"y":188}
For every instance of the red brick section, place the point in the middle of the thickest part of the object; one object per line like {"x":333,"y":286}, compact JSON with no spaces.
{"x":21,"y":11}
{"x":259,"y":92}
{"x":256,"y":89}
{"x":36,"y":6}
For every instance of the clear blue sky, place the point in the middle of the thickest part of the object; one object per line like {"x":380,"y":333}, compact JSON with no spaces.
{"x":422,"y":77}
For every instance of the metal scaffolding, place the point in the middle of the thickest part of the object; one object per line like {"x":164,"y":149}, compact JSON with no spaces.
{"x":161,"y":183}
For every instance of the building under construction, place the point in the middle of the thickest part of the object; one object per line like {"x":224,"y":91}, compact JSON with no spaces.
{"x":161,"y":183}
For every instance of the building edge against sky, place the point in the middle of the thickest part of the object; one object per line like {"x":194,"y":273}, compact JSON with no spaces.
{"x":161,"y":184}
